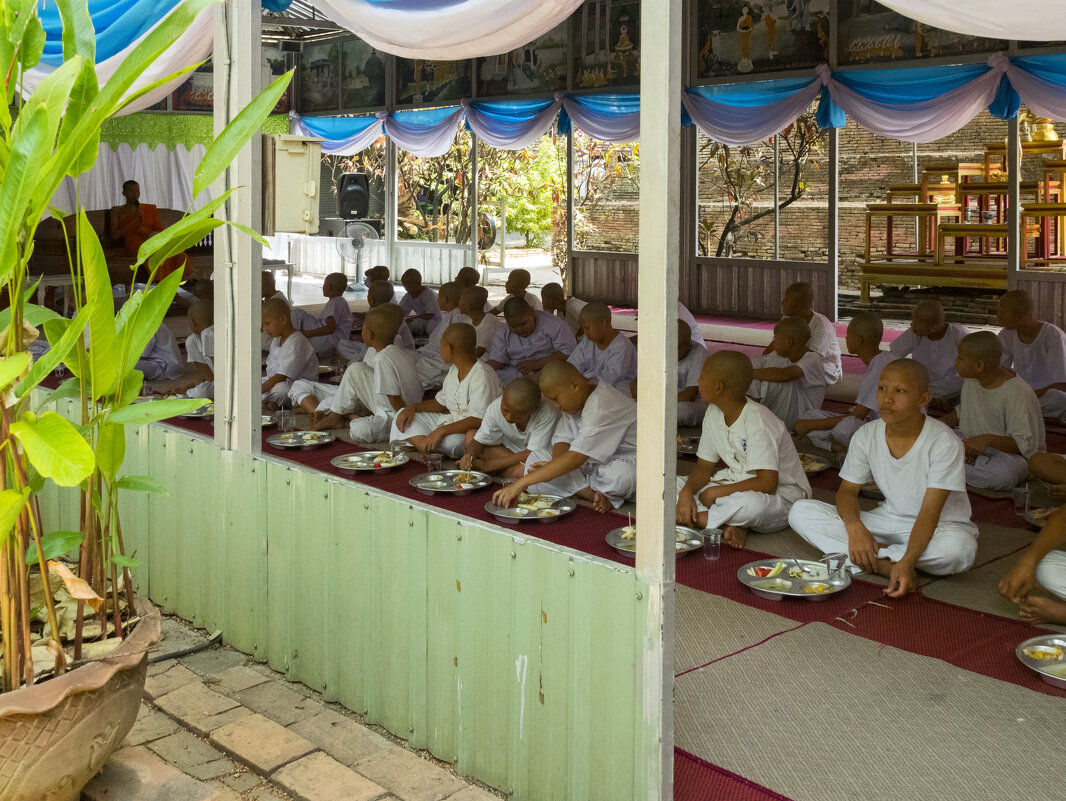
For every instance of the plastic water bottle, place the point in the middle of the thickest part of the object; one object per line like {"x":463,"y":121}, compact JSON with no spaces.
{"x":712,"y":543}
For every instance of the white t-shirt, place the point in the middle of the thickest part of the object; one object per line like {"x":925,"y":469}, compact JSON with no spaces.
{"x":936,"y":355}
{"x":495,"y":430}
{"x":432,"y":347}
{"x":341,"y":312}
{"x":551,"y":335}
{"x":606,"y":429}
{"x":206,"y":342}
{"x":486,"y":331}
{"x":571,"y":313}
{"x":426,"y":303}
{"x":936,"y":460}
{"x":404,"y":338}
{"x":689,"y":368}
{"x":161,"y":357}
{"x":471,"y":396}
{"x":824,"y":342}
{"x":810,"y":387}
{"x":294,"y":358}
{"x":533,"y":301}
{"x":867,"y":395}
{"x":694,"y":327}
{"x":1011,"y":409}
{"x":757,"y":440}
{"x":615,"y":365}
{"x":1042,"y":362}
{"x":395,"y":374}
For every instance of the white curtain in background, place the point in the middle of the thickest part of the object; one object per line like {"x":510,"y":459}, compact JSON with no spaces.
{"x":165,"y":177}
{"x":1028,"y":21}
{"x":447,"y":30}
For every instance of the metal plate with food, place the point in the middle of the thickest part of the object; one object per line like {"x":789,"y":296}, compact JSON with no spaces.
{"x":205,"y":411}
{"x":369,"y":462}
{"x":687,"y":444}
{"x":1037,"y":516}
{"x":533,"y":508}
{"x":1046,"y":656}
{"x":812,"y":463}
{"x":624,"y":540}
{"x":450,"y":482}
{"x":305,"y":440}
{"x":777,"y":579}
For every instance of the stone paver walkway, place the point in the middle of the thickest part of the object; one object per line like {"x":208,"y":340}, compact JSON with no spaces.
{"x":216,"y":726}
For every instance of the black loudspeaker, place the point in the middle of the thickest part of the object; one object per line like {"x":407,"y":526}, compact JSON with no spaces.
{"x":353,"y":196}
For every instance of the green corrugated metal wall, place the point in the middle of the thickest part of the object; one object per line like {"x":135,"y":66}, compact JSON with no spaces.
{"x":516,"y":660}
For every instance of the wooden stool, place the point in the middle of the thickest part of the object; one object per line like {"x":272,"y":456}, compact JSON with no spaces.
{"x":928,"y":214}
{"x":965,"y":231}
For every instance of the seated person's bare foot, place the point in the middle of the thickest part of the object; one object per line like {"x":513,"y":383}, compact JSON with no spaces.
{"x":269,"y":406}
{"x":324,"y":422}
{"x":601,"y":503}
{"x":514,"y":471}
{"x":1039,"y":609}
{"x":417,"y":443}
{"x":735,"y":536}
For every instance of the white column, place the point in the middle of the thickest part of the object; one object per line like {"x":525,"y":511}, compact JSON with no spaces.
{"x":392,"y":176}
{"x":238,"y":259}
{"x":1015,"y":240}
{"x":474,"y":222}
{"x":833,"y":243}
{"x":660,"y":178}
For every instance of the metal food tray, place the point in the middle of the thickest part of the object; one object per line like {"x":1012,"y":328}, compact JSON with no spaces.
{"x":561,"y":505}
{"x":823,"y":463}
{"x":693,"y":542}
{"x":365,"y":462}
{"x":688,"y":444}
{"x":1043,"y":666}
{"x":784,"y":586}
{"x":1034,"y":517}
{"x":443,"y":482}
{"x":205,"y":411}
{"x":305,"y":440}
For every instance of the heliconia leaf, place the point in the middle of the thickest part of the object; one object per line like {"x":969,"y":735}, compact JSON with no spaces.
{"x":142,"y":484}
{"x":79,"y":589}
{"x":55,"y":544}
{"x":99,"y":300}
{"x":140,"y":326}
{"x":19,"y":183}
{"x":11,"y":503}
{"x":110,"y":449}
{"x":57,"y":352}
{"x":140,"y":414}
{"x":78,"y":35}
{"x":55,"y":448}
{"x":11,"y":367}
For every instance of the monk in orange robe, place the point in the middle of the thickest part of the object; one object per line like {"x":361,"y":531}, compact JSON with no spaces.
{"x":135,"y":222}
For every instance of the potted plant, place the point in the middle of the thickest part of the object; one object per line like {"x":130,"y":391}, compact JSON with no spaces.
{"x":66,"y":702}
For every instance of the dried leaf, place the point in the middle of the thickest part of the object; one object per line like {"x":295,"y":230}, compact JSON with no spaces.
{"x":77,"y":587}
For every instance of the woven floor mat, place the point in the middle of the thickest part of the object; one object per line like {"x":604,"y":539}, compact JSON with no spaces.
{"x":709,"y":627}
{"x":816,"y":714}
{"x":696,"y":779}
{"x":978,"y":589}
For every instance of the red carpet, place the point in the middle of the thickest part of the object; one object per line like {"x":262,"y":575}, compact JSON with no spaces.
{"x":698,"y":780}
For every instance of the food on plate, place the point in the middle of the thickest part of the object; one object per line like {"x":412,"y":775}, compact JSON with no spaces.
{"x":765,"y":571}
{"x":1059,"y":671}
{"x":795,"y":572}
{"x":777,"y":585}
{"x":817,"y":588}
{"x":1042,"y":514}
{"x":811,"y":463}
{"x":534,"y":502}
{"x":465,"y":478}
{"x":1045,"y":653}
{"x":629,"y":533}
{"x":548,"y":512}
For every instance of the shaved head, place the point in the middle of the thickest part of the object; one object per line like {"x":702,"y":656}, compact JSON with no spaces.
{"x":867,"y":326}
{"x":1017,"y":301}
{"x":732,"y":368}
{"x":467,"y":276}
{"x":450,"y":291}
{"x":384,"y":322}
{"x":276,"y":308}
{"x":515,"y":308}
{"x":915,"y":370}
{"x":559,"y":373}
{"x":379,"y":273}
{"x":794,"y":328}
{"x":552,"y":290}
{"x":595,"y":312}
{"x":474,"y":297}
{"x":411,"y":276}
{"x":380,"y":292}
{"x":335,"y":282}
{"x":801,"y":292}
{"x":462,"y":338}
{"x":521,"y":277}
{"x":268,"y":280}
{"x":522,"y":395}
{"x":202,"y":311}
{"x":929,"y":311}
{"x":684,"y":331}
{"x":982,"y":346}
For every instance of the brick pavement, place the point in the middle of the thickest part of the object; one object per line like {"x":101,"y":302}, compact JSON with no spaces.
{"x":216,"y":726}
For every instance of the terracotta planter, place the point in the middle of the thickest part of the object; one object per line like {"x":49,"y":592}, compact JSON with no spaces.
{"x":55,"y":736}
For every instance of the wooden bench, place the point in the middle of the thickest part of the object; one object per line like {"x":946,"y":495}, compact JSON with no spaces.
{"x":928,"y":215}
{"x":980,"y":275}
{"x":963,"y":232}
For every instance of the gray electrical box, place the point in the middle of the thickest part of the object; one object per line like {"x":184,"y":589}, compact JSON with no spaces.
{"x":292,"y":168}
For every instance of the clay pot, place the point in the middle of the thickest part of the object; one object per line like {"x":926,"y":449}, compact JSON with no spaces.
{"x":56,"y":735}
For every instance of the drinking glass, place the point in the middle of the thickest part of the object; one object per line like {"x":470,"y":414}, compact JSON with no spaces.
{"x":712,"y":543}
{"x":60,"y":371}
{"x":397,"y":448}
{"x":286,"y":420}
{"x":433,"y":462}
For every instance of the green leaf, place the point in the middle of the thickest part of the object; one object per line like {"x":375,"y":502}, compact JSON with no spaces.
{"x":20,"y":181}
{"x":241,"y":128}
{"x":139,"y":414}
{"x":52,"y":94}
{"x":78,"y":35}
{"x":142,"y":484}
{"x":110,"y":449}
{"x":11,"y":503}
{"x":143,"y":324}
{"x":32,"y":44}
{"x":82,"y":95}
{"x":121,"y":560}
{"x":132,"y":97}
{"x":184,"y":229}
{"x":12,"y":367}
{"x":100,"y":304}
{"x":57,"y":352}
{"x":55,"y":544}
{"x":258,"y":237}
{"x":55,"y":448}
{"x":31,"y":313}
{"x":71,"y":388}
{"x":129,"y":389}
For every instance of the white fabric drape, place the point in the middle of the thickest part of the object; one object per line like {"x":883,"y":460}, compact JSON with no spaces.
{"x":425,"y":141}
{"x":165,"y":177}
{"x":1032,"y":20}
{"x":191,"y":47}
{"x":349,"y":146}
{"x":741,"y":125}
{"x":448,"y":31}
{"x":1042,"y":97}
{"x":508,"y":138}
{"x":605,"y":125}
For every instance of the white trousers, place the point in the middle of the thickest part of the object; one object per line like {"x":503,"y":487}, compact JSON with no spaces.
{"x":205,"y":389}
{"x":194,"y":350}
{"x":1053,"y":403}
{"x":427,"y":422}
{"x":352,"y":351}
{"x":1051,"y":573}
{"x":842,"y":432}
{"x":995,"y":470}
{"x":690,"y":413}
{"x":431,"y":371}
{"x":302,"y":388}
{"x":278,"y":394}
{"x":951,"y":550}
{"x":754,"y":510}
{"x":616,"y":479}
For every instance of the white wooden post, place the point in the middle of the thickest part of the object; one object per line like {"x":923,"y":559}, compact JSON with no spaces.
{"x":1015,"y":240}
{"x":238,"y":258}
{"x":392,"y":179}
{"x":660,"y":178}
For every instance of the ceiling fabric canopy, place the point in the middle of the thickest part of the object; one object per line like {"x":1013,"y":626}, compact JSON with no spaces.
{"x":447,"y":30}
{"x":1030,"y":21}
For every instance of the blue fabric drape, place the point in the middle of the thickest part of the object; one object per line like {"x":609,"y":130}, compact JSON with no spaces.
{"x":276,"y":5}
{"x":118,"y":24}
{"x":510,"y":124}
